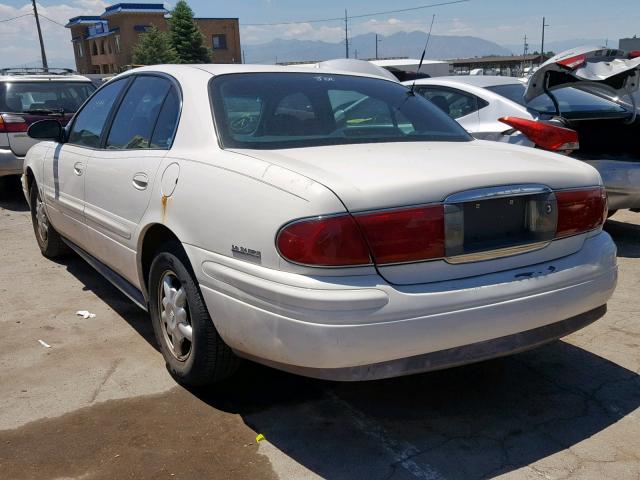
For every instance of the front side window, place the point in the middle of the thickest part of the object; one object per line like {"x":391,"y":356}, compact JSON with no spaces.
{"x":136,"y":118}
{"x":89,"y":123}
{"x":44,"y":97}
{"x":289,"y":110}
{"x":453,"y":102}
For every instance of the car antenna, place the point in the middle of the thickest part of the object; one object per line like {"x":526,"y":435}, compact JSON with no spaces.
{"x":424,"y":52}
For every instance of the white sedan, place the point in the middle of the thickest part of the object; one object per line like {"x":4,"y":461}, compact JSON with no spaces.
{"x":580,"y":102}
{"x":330,"y":224}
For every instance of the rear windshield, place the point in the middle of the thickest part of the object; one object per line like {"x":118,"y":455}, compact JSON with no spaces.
{"x":288,"y":110}
{"x":43,"y":97}
{"x":572,"y":101}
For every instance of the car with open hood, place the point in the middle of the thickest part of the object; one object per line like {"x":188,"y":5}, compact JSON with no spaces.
{"x":319,"y":221}
{"x":582,"y":102}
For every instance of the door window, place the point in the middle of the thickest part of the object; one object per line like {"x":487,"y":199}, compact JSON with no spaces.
{"x":167,"y":123}
{"x":90,"y":122}
{"x":135,"y":120}
{"x":453,"y":102}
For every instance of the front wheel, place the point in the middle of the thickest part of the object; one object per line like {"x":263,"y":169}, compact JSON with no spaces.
{"x":194,"y":352}
{"x":49,"y":240}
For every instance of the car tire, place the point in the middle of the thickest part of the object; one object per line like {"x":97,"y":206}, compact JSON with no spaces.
{"x":49,"y":240}
{"x":178,"y":312}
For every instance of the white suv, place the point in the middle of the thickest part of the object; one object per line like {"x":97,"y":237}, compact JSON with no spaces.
{"x":331,"y":224}
{"x":31,"y":94}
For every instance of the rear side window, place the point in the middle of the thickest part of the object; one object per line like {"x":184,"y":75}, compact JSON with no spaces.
{"x":455,"y":103}
{"x":167,"y":123}
{"x":89,"y":123}
{"x":44,"y":97}
{"x":136,"y":118}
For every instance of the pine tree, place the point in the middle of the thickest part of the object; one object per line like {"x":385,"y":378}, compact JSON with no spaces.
{"x":154,"y":47}
{"x":186,"y":37}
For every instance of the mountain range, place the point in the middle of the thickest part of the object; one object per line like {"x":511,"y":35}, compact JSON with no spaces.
{"x":402,"y":44}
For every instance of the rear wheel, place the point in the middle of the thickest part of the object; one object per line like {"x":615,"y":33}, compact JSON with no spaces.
{"x":194,"y":352}
{"x":49,"y":240}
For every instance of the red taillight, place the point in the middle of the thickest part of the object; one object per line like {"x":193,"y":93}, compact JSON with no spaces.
{"x":573,"y":62}
{"x":331,"y":242}
{"x":391,"y":236}
{"x":407,"y":235}
{"x":580,"y":211}
{"x":634,"y":54}
{"x":12,"y":124}
{"x":544,"y":135}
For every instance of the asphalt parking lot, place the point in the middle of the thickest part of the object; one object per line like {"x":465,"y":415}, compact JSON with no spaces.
{"x":99,"y":403}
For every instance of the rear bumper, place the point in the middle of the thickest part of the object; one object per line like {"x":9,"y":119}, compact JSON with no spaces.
{"x":452,"y":357}
{"x":10,"y":164}
{"x":364,"y":328}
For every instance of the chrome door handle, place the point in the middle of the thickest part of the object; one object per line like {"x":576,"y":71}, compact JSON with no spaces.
{"x":140,"y":181}
{"x":78,"y":168}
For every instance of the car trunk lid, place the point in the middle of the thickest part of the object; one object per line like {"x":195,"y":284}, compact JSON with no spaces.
{"x":593,"y":69}
{"x":516,"y":182}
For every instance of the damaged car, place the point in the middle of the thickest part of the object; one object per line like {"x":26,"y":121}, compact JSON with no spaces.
{"x":582,"y":102}
{"x":323,"y":222}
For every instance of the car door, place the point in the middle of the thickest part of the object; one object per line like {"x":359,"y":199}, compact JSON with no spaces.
{"x":122,"y":172}
{"x":66,"y":164}
{"x":459,"y":105}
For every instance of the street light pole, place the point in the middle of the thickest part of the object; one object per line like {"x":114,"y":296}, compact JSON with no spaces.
{"x":42,"y":52}
{"x":377,"y":42}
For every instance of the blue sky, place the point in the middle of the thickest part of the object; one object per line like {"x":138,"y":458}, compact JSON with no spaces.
{"x":501,"y":21}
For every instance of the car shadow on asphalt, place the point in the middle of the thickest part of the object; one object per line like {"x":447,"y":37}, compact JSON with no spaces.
{"x":11,"y":196}
{"x":476,"y":421}
{"x":92,"y":281}
{"x":627,"y":237}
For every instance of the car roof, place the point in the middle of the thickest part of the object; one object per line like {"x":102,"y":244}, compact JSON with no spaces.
{"x":223,"y":69}
{"x":43,"y":78}
{"x":475,"y":80}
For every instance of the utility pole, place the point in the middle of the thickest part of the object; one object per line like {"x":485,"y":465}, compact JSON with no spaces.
{"x":524,"y":53}
{"x":42,"y":52}
{"x":346,"y":34}
{"x":544,"y":24}
{"x":244,"y":57}
{"x":356,"y":54}
{"x":377,"y":42}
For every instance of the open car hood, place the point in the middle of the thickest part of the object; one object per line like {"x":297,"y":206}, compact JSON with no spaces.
{"x":589,"y":68}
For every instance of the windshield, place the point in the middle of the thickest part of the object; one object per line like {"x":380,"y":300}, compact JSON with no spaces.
{"x":572,"y":101}
{"x":43,"y":97}
{"x":288,"y":110}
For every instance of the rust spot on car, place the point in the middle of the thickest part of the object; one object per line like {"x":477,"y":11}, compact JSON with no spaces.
{"x":164,"y":207}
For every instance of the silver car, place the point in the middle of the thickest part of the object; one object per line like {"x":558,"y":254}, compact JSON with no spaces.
{"x":581,"y":103}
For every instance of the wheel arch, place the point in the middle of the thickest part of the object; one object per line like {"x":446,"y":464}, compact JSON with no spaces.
{"x":152,"y":237}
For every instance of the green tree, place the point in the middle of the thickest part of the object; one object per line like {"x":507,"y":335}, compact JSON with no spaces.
{"x":154,"y":47}
{"x":186,"y":38}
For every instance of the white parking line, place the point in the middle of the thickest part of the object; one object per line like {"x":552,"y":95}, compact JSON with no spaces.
{"x":400,"y":452}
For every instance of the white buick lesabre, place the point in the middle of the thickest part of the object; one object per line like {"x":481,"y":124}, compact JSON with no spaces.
{"x":330,"y":224}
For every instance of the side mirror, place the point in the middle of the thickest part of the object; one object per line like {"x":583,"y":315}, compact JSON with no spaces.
{"x":46,"y":130}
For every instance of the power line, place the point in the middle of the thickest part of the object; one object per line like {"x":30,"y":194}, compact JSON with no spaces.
{"x":15,"y":18}
{"x":51,"y":20}
{"x":364,"y":15}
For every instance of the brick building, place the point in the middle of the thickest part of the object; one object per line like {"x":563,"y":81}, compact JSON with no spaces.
{"x":104,"y":44}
